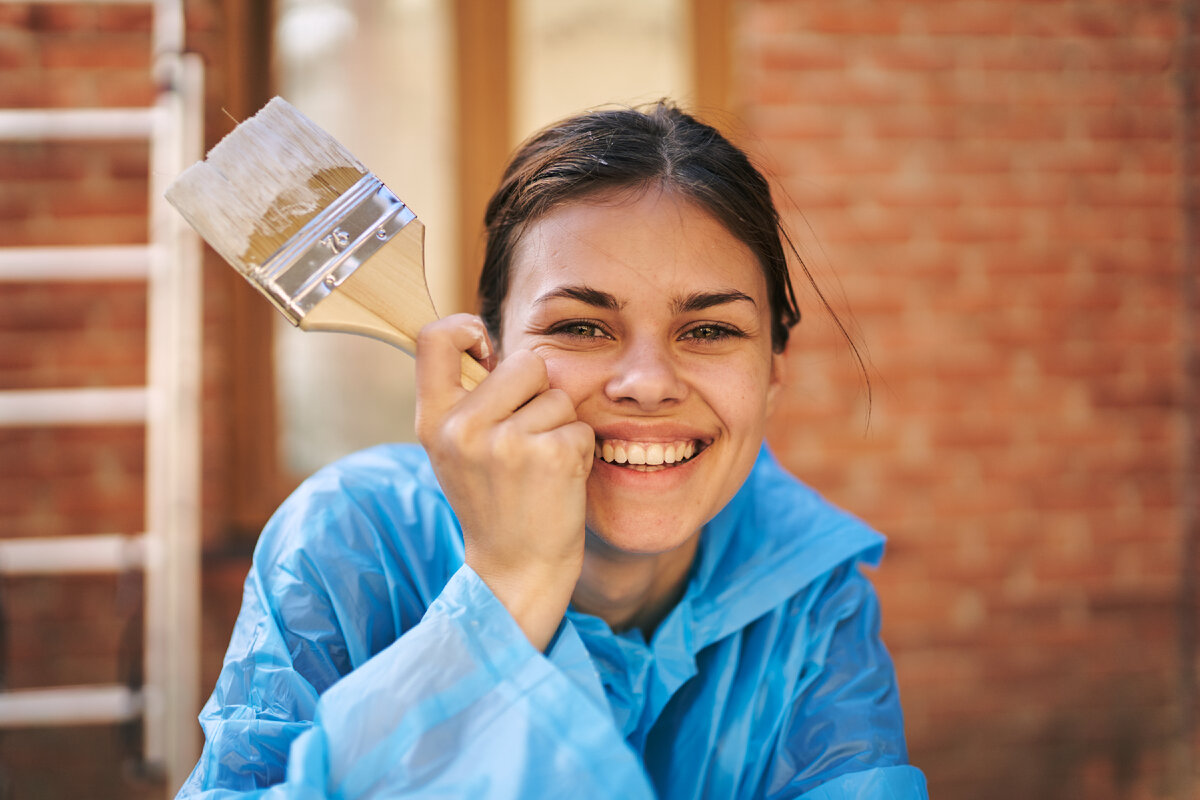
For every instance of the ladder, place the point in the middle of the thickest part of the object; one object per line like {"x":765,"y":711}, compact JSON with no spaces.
{"x":168,"y":405}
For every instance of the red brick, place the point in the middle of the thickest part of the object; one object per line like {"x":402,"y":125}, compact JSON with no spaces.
{"x":15,"y":17}
{"x":29,"y":89}
{"x":125,"y":19}
{"x":1129,"y":124}
{"x":970,"y":19}
{"x":40,"y":160}
{"x":125,"y":161}
{"x":70,"y":451}
{"x":112,"y":52}
{"x":126,"y":90}
{"x":51,"y":17}
{"x":1146,"y":56}
{"x":802,"y":54}
{"x":119,"y":198}
{"x":88,"y":230}
{"x":15,"y":54}
{"x":901,"y":55}
{"x":100,"y":758}
{"x":1021,"y":56}
{"x":853,"y":18}
{"x":916,"y":123}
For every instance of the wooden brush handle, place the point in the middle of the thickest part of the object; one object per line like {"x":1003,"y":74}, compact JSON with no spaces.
{"x":386,"y":298}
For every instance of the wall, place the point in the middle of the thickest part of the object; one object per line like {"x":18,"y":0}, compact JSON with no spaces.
{"x":991,"y":195}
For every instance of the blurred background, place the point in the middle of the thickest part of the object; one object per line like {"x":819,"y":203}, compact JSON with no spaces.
{"x":998,"y":198}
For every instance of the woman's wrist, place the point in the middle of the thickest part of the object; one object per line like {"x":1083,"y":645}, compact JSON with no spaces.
{"x":536,"y":595}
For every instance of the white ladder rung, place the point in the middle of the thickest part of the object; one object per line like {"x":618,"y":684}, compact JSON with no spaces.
{"x":110,"y":262}
{"x":58,"y":555}
{"x":72,"y":123}
{"x":99,"y":406}
{"x":69,"y":705}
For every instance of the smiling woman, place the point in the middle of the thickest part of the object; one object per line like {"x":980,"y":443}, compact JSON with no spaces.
{"x":593,"y":580}
{"x":677,"y":355}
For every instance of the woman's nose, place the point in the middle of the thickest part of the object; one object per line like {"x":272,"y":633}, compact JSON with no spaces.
{"x":646,"y":375}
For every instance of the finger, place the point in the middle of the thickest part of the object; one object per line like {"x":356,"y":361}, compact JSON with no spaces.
{"x":567,"y":449}
{"x":549,"y":410}
{"x":515,"y":381}
{"x":583,"y":441}
{"x":440,"y":346}
{"x":483,"y":353}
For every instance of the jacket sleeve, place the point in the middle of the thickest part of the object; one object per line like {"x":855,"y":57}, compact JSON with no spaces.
{"x":368,"y":661}
{"x":461,"y":705}
{"x":844,"y":735}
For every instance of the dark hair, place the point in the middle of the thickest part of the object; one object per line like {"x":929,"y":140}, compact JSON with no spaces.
{"x":627,"y":149}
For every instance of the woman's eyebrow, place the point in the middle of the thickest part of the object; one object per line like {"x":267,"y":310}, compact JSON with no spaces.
{"x":584,"y":294}
{"x":698,"y":301}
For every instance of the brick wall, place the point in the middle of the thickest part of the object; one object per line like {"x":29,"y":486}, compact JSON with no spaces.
{"x":993,"y":190}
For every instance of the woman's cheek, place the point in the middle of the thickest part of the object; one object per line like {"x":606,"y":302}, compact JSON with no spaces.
{"x":737,"y":392}
{"x":568,"y":371}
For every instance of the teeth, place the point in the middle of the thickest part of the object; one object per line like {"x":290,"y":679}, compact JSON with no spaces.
{"x":645,"y":454}
{"x":654,"y":454}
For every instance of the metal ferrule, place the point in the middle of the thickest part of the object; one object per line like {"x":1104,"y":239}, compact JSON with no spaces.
{"x":328,"y":249}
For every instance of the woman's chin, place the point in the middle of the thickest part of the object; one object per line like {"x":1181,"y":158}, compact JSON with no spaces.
{"x":643,"y":512}
{"x":615,"y":535}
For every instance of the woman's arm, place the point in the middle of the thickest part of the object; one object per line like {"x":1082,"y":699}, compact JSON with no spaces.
{"x":463,"y":706}
{"x":513,"y":459}
{"x":467,"y":690}
{"x":460,"y":705}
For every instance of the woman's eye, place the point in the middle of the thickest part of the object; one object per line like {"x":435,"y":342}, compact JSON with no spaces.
{"x":580,"y":330}
{"x":711,"y":333}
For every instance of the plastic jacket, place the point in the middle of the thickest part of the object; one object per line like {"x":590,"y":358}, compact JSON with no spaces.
{"x":369,"y":661}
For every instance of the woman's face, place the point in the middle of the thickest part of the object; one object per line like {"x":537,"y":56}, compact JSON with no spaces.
{"x":655,"y":320}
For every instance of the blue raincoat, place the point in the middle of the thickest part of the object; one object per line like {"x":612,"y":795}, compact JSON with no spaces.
{"x":369,"y":661}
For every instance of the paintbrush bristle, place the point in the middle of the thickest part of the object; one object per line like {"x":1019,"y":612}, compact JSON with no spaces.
{"x":261,"y":183}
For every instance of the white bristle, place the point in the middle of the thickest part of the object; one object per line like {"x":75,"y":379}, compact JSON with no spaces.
{"x":261,"y":182}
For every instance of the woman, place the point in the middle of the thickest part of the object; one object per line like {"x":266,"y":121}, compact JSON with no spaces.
{"x":593,"y":580}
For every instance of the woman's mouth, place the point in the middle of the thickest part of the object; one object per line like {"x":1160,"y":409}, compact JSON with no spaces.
{"x":647,"y":456}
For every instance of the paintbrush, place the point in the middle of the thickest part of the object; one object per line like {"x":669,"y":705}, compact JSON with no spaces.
{"x":312,"y":229}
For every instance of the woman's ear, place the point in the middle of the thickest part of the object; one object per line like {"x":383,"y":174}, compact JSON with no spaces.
{"x":777,"y":380}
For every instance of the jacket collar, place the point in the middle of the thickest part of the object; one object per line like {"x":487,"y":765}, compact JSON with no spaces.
{"x":774,"y":538}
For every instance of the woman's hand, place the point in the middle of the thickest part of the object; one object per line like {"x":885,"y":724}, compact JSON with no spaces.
{"x":513,"y":459}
